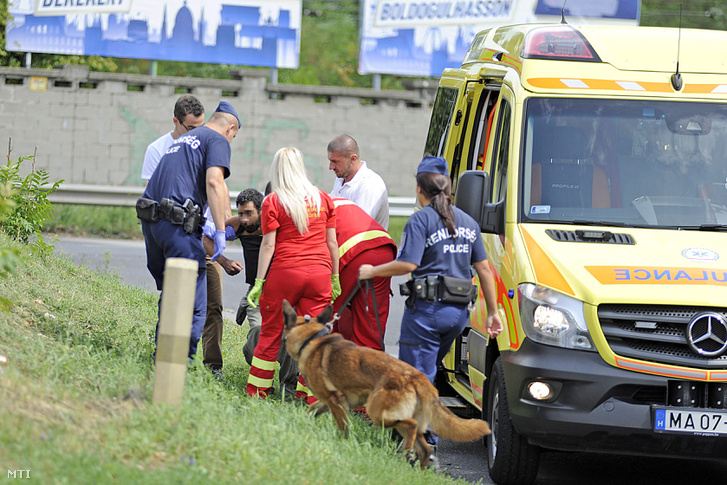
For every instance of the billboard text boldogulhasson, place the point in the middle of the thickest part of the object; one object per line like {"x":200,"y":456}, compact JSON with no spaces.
{"x":423,"y":37}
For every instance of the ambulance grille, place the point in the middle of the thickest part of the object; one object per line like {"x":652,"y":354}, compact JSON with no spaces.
{"x":590,"y":236}
{"x":656,"y":333}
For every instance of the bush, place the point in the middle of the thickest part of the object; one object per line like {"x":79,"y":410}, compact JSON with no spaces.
{"x":8,"y":256}
{"x":28,"y":203}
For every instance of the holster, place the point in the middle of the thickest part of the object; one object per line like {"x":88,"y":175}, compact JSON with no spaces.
{"x":193,"y":218}
{"x":406,"y":289}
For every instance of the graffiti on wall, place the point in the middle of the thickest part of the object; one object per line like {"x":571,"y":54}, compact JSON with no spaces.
{"x":256,"y":155}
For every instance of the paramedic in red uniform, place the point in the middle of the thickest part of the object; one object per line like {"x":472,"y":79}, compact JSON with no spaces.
{"x":362,"y":240}
{"x":299,"y":228}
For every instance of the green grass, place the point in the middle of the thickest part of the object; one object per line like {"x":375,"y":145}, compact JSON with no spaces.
{"x":121,"y":222}
{"x":88,"y":220}
{"x":75,"y":399}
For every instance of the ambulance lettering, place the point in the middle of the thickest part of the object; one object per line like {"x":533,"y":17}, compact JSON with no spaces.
{"x":614,"y":275}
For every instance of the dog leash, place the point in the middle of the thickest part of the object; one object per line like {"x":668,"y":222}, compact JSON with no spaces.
{"x":369,"y":287}
{"x":337,"y":315}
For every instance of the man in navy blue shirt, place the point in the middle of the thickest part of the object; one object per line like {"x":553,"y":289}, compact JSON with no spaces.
{"x":190,"y":176}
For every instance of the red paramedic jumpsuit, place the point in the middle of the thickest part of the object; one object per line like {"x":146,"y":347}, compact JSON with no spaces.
{"x":300,"y":272}
{"x":361,"y":240}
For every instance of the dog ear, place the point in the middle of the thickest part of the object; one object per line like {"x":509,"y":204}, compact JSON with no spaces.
{"x":289,"y":315}
{"x":325,"y":316}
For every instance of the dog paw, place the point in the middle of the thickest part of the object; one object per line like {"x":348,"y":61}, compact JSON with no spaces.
{"x":411,"y":457}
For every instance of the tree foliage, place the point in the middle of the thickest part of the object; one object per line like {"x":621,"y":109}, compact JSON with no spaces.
{"x":329,"y":44}
{"x":696,"y":14}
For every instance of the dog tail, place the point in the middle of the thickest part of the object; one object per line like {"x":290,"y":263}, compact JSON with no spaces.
{"x":448,"y":426}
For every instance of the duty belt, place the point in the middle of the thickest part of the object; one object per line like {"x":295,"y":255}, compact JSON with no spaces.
{"x":188,"y":215}
{"x":445,"y":289}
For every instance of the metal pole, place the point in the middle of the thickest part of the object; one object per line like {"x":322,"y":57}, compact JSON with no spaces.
{"x":28,"y":59}
{"x":377,"y":82}
{"x":175,"y":326}
{"x":153,"y":68}
{"x":273,"y":75}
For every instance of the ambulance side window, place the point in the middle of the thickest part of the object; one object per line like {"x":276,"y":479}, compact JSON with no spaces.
{"x":501,"y":151}
{"x":441,"y":119}
{"x":483,"y":127}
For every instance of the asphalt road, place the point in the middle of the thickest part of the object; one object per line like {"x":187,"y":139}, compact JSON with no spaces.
{"x":460,"y":460}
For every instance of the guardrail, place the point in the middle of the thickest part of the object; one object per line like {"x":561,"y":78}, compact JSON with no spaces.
{"x":123,"y":196}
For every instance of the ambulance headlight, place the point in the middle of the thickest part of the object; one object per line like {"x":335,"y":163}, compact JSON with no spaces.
{"x":552,"y":318}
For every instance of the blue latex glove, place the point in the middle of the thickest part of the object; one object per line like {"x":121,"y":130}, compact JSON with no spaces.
{"x":253,"y":296}
{"x":230,"y":233}
{"x":208,"y":229}
{"x":220,"y":245}
{"x":335,"y":287}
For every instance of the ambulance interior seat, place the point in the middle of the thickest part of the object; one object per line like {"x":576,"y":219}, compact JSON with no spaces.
{"x":562,"y":172}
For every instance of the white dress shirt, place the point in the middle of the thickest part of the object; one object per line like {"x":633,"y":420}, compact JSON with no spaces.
{"x":368,"y":190}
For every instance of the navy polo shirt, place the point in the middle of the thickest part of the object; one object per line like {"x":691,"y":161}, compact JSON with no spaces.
{"x":182,"y":171}
{"x":427,"y":243}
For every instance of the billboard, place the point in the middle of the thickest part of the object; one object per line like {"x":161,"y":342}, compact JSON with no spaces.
{"x":422,"y":38}
{"x":242,"y":32}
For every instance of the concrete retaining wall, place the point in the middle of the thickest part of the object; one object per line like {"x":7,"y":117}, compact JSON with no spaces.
{"x":93,"y":128}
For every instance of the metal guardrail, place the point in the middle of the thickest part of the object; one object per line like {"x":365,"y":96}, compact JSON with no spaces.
{"x":122,"y":196}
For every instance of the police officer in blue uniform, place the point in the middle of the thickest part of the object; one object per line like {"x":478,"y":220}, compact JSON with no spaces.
{"x":190,"y":177}
{"x":440,"y":244}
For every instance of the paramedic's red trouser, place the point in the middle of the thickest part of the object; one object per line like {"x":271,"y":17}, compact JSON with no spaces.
{"x":308,"y":289}
{"x":356,"y":323}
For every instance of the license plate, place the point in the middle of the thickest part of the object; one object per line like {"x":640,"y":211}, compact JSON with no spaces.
{"x":698,"y":422}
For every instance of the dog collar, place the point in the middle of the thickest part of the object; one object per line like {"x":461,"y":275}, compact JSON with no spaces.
{"x":318,"y":334}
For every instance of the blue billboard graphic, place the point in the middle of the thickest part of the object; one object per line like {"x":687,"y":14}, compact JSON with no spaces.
{"x":242,"y":32}
{"x":422,"y":38}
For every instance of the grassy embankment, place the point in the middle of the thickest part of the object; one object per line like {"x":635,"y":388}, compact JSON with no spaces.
{"x":76,"y":399}
{"x":77,"y":379}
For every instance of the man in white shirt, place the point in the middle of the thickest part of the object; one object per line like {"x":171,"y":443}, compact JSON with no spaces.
{"x":355,"y":181}
{"x":188,"y":114}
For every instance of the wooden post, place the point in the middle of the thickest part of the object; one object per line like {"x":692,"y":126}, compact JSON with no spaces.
{"x":175,"y":327}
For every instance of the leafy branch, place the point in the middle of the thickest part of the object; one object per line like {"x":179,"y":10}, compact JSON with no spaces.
{"x":26,"y":201}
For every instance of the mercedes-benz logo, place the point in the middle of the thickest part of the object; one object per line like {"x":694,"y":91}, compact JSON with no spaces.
{"x":707,"y":334}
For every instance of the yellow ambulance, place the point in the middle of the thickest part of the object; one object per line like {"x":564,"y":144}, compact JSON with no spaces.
{"x":595,"y":160}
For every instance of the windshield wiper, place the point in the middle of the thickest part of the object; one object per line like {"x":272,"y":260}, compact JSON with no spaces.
{"x":712,"y":227}
{"x":599,"y":223}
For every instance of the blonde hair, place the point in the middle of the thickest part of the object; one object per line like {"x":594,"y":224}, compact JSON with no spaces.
{"x":295,"y":192}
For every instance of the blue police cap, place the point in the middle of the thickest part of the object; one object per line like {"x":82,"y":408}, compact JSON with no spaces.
{"x":433,"y":165}
{"x":226,"y":107}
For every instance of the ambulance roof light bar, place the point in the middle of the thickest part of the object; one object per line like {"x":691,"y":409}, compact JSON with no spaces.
{"x":560,"y":42}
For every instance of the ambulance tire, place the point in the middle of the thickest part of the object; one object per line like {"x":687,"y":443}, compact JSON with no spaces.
{"x":510,"y":458}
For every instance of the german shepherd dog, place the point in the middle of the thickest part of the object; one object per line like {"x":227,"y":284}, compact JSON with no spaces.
{"x":343,"y":375}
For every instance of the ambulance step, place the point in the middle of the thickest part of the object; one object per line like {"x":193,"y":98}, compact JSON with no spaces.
{"x":452,"y":402}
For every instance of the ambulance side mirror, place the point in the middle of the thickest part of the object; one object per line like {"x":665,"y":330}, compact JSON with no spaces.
{"x":473,"y":189}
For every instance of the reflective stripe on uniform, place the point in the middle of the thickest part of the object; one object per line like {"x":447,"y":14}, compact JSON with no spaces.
{"x":259,"y":382}
{"x":358,"y":238}
{"x":262,"y":364}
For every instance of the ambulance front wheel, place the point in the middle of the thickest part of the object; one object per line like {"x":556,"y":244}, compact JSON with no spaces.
{"x":510,"y":458}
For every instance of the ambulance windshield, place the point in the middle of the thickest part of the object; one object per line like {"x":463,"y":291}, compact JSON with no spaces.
{"x":633,"y":163}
